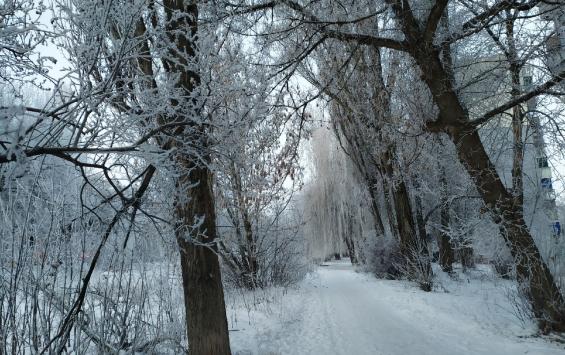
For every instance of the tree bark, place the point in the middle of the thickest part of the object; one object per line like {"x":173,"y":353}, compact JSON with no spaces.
{"x":207,"y":327}
{"x":206,"y":320}
{"x":390,"y":209}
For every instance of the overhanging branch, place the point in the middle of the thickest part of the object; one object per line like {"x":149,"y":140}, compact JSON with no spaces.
{"x":520,"y":99}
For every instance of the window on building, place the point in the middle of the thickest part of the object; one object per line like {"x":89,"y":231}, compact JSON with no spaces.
{"x":542,"y":162}
{"x":556,"y":228}
{"x":528,"y":81}
{"x":546,"y":184}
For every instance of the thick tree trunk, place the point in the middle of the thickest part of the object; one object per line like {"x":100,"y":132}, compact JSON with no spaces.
{"x":206,"y":320}
{"x":207,"y":326}
{"x":534,"y":278}
{"x":195,"y":215}
{"x":405,"y":222}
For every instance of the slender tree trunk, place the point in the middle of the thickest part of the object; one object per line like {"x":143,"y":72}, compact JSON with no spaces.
{"x":446,"y":253}
{"x":517,"y":116}
{"x":390,"y":209}
{"x":237,"y":266}
{"x":350,"y":244}
{"x":466,"y":254}
{"x":413,"y":249}
{"x":378,"y":221}
{"x":349,"y":235}
{"x":249,"y":255}
{"x":418,"y":212}
{"x":412,"y":246}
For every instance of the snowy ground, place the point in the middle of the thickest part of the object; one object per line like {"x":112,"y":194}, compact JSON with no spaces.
{"x":339,"y":311}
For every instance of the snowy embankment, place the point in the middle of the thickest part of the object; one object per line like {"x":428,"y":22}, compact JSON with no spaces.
{"x":339,"y":311}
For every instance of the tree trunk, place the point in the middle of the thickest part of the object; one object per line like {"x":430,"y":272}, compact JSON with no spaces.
{"x":251,"y":256}
{"x":378,"y":221}
{"x":350,"y":244}
{"x":207,"y":325}
{"x":348,"y":235}
{"x":245,"y":269}
{"x":418,"y":212}
{"x":517,"y":116}
{"x":534,"y":278}
{"x":405,"y":222}
{"x":446,"y":253}
{"x":466,"y":254}
{"x":390,"y":209}
{"x":412,"y":247}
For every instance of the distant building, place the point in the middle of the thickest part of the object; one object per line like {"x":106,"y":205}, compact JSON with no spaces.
{"x":555,"y":46}
{"x":556,"y":43}
{"x":486,"y":83}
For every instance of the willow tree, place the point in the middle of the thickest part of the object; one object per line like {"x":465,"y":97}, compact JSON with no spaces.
{"x":367,"y":124}
{"x":335,"y":201}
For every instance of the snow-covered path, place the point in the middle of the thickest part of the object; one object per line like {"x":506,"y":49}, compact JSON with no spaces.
{"x":346,"y":317}
{"x":344,"y":312}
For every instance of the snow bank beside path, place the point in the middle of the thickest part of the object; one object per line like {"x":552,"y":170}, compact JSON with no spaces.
{"x":338,"y":311}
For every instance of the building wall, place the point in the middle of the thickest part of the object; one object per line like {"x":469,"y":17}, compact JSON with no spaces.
{"x":555,"y":14}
